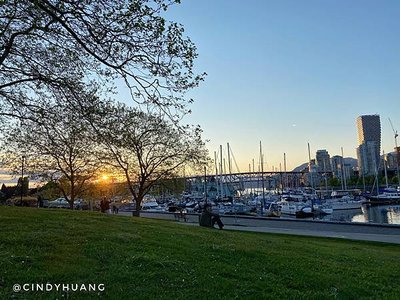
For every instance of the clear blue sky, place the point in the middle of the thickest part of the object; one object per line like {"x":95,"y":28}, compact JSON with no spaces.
{"x":291,"y":72}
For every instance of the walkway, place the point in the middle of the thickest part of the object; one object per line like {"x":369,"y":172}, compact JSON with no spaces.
{"x":354,"y":231}
{"x":386,"y":238}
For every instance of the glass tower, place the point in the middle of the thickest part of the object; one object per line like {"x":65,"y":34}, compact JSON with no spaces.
{"x":369,"y":144}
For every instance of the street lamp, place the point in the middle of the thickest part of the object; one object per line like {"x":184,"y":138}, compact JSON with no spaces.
{"x":205,"y":184}
{"x":22,"y":177}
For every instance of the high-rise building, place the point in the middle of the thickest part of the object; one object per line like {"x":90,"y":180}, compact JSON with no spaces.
{"x":340,"y":169}
{"x":369,"y":144}
{"x":323,"y":160}
{"x":336,"y":163}
{"x":391,"y":159}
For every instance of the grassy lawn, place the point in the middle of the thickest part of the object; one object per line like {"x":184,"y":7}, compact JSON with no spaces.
{"x":153,"y":259}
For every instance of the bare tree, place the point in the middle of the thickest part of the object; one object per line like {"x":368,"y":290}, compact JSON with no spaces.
{"x":146,"y":148}
{"x":50,"y":44}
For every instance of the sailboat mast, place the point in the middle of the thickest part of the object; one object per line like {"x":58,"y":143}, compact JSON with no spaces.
{"x":397,"y":153}
{"x":311,"y":176}
{"x":344,"y":171}
{"x":216,"y":171}
{"x":280,"y":175}
{"x":385,"y":169}
{"x":253,"y":187}
{"x":225,"y":167}
{"x":341,"y":173}
{"x":326,"y":179}
{"x":284,"y":169}
{"x":397,"y":159}
{"x":310,"y":167}
{"x":376,"y":176}
{"x":262,"y":179}
{"x":229,"y":159}
{"x":229,"y":169}
{"x":363,"y":178}
{"x":221,"y":171}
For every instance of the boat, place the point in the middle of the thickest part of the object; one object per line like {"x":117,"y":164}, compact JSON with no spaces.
{"x":323,"y":209}
{"x":306,"y":212}
{"x":293,"y":195}
{"x":272,"y":209}
{"x":291,"y":208}
{"x":150,"y":204}
{"x":342,"y":200}
{"x":230,"y":208}
{"x":389,"y":196}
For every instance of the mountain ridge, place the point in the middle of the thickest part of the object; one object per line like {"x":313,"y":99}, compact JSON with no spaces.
{"x":347,"y":160}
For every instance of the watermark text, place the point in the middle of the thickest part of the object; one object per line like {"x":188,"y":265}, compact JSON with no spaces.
{"x":59,"y":287}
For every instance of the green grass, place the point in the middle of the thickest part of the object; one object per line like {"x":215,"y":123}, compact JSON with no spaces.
{"x":139,"y":258}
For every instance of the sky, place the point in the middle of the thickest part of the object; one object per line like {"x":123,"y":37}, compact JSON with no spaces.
{"x":291,"y":72}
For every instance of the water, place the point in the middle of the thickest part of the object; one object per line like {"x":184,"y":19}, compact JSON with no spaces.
{"x":385,"y":214}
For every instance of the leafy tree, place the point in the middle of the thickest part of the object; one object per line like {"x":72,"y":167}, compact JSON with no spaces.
{"x":8,"y":191}
{"x":3,"y":194}
{"x":58,"y":58}
{"x":3,"y":188}
{"x":146,"y":148}
{"x":50,"y":190}
{"x":170,"y":186}
{"x":334,"y":182}
{"x":23,"y":186}
{"x":51,"y":45}
{"x":57,"y":147}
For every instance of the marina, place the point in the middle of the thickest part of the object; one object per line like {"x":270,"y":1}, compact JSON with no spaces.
{"x":298,"y":205}
{"x":385,"y":214}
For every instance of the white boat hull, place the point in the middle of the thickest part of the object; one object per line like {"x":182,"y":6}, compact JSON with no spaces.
{"x":346,"y":205}
{"x":288,"y":208}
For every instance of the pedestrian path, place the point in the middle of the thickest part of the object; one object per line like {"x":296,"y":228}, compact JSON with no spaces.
{"x":351,"y":231}
{"x":386,"y":238}
{"x":361,"y":236}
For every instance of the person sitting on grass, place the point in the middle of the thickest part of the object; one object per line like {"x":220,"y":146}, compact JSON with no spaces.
{"x":208,"y":218}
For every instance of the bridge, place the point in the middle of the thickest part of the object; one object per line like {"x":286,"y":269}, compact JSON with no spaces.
{"x":233,"y":183}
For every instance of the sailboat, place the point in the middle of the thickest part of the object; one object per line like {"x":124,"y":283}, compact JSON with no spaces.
{"x":389,"y":195}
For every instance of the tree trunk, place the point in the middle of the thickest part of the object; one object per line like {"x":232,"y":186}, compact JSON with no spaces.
{"x":136,"y":213}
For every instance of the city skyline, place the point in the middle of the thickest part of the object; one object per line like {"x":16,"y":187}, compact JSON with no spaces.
{"x":289,"y":73}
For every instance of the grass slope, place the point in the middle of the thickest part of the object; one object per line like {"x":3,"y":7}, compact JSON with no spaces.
{"x":140,"y":258}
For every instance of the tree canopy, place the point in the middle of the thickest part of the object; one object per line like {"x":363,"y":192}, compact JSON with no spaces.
{"x":61,"y":62}
{"x":146,"y":148}
{"x":58,"y":147}
{"x":52,"y":44}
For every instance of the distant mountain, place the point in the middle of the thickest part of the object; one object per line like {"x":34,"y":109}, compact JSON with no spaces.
{"x":347,"y":160}
{"x":300,"y":168}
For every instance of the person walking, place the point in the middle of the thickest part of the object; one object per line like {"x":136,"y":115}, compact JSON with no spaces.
{"x":114,"y":208}
{"x":39,"y":201}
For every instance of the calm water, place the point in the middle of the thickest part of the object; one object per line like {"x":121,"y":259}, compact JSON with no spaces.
{"x":386,"y":214}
